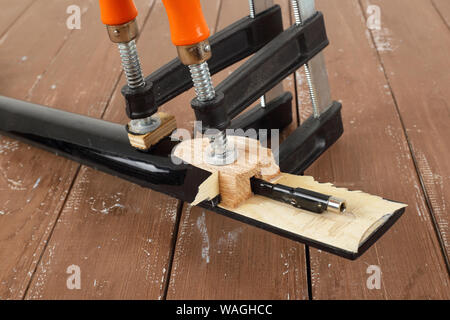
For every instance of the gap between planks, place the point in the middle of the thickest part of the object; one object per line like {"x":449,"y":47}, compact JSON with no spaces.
{"x":425,"y":193}
{"x":75,"y":176}
{"x":21,"y":13}
{"x":179,"y":216}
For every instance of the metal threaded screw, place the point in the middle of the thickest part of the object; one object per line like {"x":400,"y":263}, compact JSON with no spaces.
{"x":251,"y":4}
{"x":133,"y":72}
{"x":262,"y":102}
{"x":131,"y":64}
{"x":219,"y":154}
{"x":220,"y":143}
{"x":297,"y":12}
{"x":312,"y":91}
{"x":297,"y":9}
{"x":202,"y":81}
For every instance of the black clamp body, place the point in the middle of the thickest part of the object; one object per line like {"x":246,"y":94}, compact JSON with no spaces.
{"x":212,"y":113}
{"x":263,"y":71}
{"x":140,"y":102}
{"x":230,"y":45}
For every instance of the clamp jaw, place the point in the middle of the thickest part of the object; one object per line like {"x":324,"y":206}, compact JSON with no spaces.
{"x":276,"y":54}
{"x":279,"y":53}
{"x":119,"y":16}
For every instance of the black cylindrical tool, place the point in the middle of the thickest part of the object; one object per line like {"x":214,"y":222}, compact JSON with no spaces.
{"x":298,"y":197}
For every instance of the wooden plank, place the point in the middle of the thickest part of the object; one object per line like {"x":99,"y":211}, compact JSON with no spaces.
{"x":423,"y":103}
{"x":31,"y":195}
{"x":443,"y":7}
{"x":373,"y":156}
{"x":11,"y":11}
{"x":120,"y":236}
{"x":232,"y":259}
{"x":24,"y":58}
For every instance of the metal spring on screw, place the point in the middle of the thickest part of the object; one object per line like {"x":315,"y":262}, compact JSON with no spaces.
{"x":202,"y":81}
{"x":312,"y":91}
{"x":297,"y":8}
{"x":133,"y":71}
{"x":131,"y":64}
{"x":220,"y":143}
{"x":297,"y":12}
{"x":219,"y":153}
{"x":251,"y":4}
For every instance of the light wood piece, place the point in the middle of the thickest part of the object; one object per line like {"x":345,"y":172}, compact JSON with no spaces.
{"x":234,"y":180}
{"x":364,"y":214}
{"x":146,"y":141}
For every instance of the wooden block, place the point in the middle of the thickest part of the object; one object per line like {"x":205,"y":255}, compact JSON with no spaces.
{"x":234,"y":180}
{"x":365,"y":213}
{"x":146,"y":141}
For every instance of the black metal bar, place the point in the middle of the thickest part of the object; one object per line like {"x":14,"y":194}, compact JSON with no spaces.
{"x":102,"y":145}
{"x":234,"y":43}
{"x":268,"y":67}
{"x":277,"y":114}
{"x":105,"y":146}
{"x":377,"y":234}
{"x":307,"y":143}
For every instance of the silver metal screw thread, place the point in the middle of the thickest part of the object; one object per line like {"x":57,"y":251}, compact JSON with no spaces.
{"x":251,"y":4}
{"x":297,"y":8}
{"x":202,"y":81}
{"x":219,"y":144}
{"x":262,"y":102}
{"x":205,"y":91}
{"x":312,"y":91}
{"x":297,"y":13}
{"x":131,"y":64}
{"x":133,"y":72}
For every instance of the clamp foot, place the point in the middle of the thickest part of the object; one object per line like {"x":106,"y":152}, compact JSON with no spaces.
{"x":167,"y":124}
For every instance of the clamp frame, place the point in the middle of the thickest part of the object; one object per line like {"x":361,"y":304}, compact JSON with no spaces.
{"x":105,"y":146}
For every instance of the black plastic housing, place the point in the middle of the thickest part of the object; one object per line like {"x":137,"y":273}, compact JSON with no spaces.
{"x":213,"y":113}
{"x":104,"y":146}
{"x":230,"y":45}
{"x":140,"y":102}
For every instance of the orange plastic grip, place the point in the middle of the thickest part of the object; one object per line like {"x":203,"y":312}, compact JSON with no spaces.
{"x":187,"y":23}
{"x":116,"y":12}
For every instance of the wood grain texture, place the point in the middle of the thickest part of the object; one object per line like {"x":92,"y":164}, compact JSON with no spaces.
{"x":373,"y":155}
{"x":219,"y":258}
{"x":252,"y":161}
{"x":120,"y":235}
{"x":11,"y":12}
{"x":39,"y":69}
{"x":117,"y":233}
{"x":31,"y":195}
{"x":144,"y":142}
{"x":443,"y":8}
{"x":422,"y":62}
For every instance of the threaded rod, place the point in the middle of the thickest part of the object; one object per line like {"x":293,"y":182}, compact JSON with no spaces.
{"x":131,"y":65}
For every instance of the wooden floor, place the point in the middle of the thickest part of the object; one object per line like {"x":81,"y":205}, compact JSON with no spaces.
{"x":133,"y":243}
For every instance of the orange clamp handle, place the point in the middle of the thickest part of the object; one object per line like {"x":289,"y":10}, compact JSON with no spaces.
{"x":117,"y":12}
{"x":187,"y":22}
